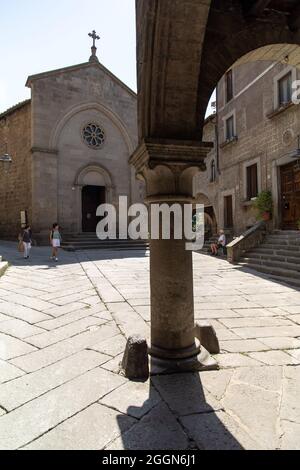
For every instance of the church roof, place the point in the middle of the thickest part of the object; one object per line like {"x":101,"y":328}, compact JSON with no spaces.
{"x":14,"y":108}
{"x":72,"y":68}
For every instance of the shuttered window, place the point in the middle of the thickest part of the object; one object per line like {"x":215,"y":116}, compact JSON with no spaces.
{"x":285,"y":90}
{"x":228,"y":212}
{"x":252,"y":182}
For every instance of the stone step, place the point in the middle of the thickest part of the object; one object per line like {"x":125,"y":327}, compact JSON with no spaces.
{"x":272,"y":263}
{"x":274,"y":257}
{"x":286,"y":232}
{"x":275,"y":270}
{"x":279,"y":246}
{"x":283,"y":241}
{"x":279,"y":276}
{"x":82,"y":244}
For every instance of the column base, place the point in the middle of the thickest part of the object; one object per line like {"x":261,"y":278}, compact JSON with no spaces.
{"x":203,"y":362}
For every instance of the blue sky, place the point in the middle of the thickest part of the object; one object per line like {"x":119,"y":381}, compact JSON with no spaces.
{"x":41,"y":35}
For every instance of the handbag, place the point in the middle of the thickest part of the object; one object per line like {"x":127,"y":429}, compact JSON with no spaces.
{"x":21,"y":246}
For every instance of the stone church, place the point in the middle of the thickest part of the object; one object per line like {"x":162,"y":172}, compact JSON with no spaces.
{"x":70,"y":145}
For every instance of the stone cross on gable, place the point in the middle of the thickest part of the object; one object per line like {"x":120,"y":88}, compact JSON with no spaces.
{"x":95,"y":38}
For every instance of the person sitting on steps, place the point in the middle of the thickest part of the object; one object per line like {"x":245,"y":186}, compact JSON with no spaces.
{"x":221,"y":244}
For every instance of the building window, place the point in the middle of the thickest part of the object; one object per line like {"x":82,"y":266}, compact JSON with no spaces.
{"x":228,"y":212}
{"x":229,"y":86}
{"x":230,"y":131}
{"x":252,"y":182}
{"x":213,"y":175}
{"x":93,"y":135}
{"x":285,"y":90}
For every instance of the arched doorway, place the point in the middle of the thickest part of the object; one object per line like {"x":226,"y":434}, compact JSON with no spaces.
{"x":92,"y":197}
{"x":178,"y":69}
{"x":209,"y":215}
{"x":93,"y":187}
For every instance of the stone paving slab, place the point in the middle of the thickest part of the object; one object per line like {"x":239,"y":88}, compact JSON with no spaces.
{"x":22,"y":426}
{"x":20,"y":329}
{"x":216,"y":431}
{"x":47,"y":356}
{"x":91,"y":429}
{"x":22,"y":313}
{"x":159,"y":430}
{"x":142,"y":394}
{"x":11,"y":348}
{"x":24,"y":389}
{"x":9,"y":372}
{"x":66,"y":391}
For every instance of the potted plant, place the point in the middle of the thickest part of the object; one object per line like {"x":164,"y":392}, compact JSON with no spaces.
{"x":264,"y":205}
{"x":298,"y":224}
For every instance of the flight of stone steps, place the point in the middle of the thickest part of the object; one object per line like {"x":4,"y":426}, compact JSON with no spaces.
{"x":90,"y":241}
{"x":278,"y":256}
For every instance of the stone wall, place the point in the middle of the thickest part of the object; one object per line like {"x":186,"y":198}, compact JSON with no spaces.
{"x":15,"y":186}
{"x":263,"y":136}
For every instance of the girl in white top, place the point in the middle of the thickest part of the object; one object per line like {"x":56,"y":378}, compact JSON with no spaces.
{"x":55,"y":240}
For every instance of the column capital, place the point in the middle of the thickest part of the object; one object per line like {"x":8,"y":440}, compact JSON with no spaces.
{"x":168,"y":166}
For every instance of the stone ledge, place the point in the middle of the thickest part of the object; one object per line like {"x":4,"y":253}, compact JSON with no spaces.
{"x":228,"y":142}
{"x":280,"y":110}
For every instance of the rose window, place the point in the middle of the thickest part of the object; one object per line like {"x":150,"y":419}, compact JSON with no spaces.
{"x":93,"y":135}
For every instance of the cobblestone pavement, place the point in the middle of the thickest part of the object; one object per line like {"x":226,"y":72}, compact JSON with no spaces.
{"x":63,"y":329}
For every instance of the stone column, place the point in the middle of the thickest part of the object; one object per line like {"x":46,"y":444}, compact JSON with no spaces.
{"x":168,"y":168}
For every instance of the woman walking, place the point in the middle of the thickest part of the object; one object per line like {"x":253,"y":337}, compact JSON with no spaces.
{"x":55,"y":241}
{"x":27,"y":241}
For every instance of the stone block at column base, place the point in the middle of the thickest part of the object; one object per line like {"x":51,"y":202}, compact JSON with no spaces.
{"x":200,"y":363}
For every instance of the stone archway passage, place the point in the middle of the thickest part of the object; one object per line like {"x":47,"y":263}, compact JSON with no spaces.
{"x":184,"y":48}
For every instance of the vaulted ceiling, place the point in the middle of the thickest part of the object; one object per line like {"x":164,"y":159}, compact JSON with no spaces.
{"x":185,"y":46}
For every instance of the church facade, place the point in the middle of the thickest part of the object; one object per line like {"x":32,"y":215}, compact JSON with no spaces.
{"x":70,"y":145}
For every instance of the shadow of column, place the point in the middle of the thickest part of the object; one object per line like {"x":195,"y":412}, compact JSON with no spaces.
{"x":180,"y":415}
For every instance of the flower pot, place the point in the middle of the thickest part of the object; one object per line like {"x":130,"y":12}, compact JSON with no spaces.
{"x":266,"y":216}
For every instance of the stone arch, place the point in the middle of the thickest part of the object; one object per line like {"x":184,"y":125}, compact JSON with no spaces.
{"x":92,"y":175}
{"x":211,"y":224}
{"x":114,"y":118}
{"x":97,"y":173}
{"x":179,"y":66}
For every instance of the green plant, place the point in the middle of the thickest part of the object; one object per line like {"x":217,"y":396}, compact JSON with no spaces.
{"x":298,"y":224}
{"x":264,"y":204}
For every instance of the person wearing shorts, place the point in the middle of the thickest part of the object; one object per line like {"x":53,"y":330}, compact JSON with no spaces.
{"x":221,"y":243}
{"x":27,"y":241}
{"x":55,"y":241}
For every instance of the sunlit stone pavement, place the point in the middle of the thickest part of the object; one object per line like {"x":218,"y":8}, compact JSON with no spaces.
{"x":63,"y":329}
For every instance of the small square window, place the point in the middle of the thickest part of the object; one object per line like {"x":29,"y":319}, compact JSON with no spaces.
{"x":230,"y":132}
{"x":285,"y":90}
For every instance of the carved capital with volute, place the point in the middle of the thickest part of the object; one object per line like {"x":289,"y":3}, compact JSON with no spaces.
{"x":168,"y":167}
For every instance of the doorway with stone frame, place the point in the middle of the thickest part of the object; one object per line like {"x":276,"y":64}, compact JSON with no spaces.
{"x":290,"y":195}
{"x":92,"y":198}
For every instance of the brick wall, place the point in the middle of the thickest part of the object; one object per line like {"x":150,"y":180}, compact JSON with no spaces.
{"x":15,"y":186}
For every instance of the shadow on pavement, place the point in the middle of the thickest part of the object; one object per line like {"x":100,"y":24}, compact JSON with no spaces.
{"x":177,"y":416}
{"x":40,"y":256}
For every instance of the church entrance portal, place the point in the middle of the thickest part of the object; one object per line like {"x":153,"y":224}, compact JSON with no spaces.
{"x":92,"y":198}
